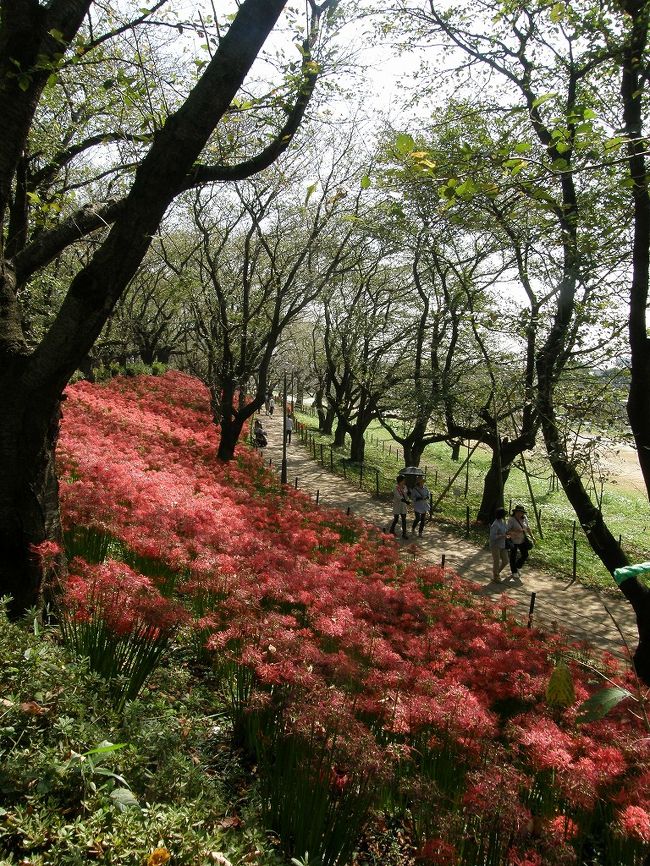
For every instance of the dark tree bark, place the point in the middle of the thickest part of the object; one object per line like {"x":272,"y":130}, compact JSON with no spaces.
{"x":633,"y":88}
{"x":339,"y":434}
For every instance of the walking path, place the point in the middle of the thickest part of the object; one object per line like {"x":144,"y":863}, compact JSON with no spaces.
{"x":578,"y":611}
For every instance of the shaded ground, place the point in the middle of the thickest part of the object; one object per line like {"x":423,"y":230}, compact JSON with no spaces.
{"x":578,"y":611}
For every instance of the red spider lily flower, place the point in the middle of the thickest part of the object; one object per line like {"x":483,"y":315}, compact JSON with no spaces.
{"x":437,"y":852}
{"x":47,"y":552}
{"x":635,"y":823}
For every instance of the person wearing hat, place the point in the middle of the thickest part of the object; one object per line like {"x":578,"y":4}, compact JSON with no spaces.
{"x":518,"y":531}
{"x":400,"y":505}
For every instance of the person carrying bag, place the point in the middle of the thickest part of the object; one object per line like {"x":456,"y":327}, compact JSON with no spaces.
{"x":521,"y":538}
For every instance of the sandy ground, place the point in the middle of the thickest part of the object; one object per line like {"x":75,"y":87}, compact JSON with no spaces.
{"x":604,"y":622}
{"x":622,"y":466}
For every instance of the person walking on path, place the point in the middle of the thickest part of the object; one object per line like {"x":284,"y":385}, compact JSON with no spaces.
{"x":518,"y":531}
{"x":288,"y":428}
{"x":259,"y":436}
{"x":420,"y":496}
{"x":499,"y":544}
{"x":400,"y":505}
{"x":271,"y":405}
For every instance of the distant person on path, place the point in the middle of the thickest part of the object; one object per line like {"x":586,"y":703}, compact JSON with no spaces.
{"x":400,"y":505}
{"x":259,"y":436}
{"x":420,"y":496}
{"x":518,"y":531}
{"x":267,"y":402}
{"x":288,"y":428}
{"x":499,"y":544}
{"x":271,"y":405}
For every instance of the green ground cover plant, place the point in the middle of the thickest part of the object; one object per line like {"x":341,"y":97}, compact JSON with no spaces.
{"x":627,"y":511}
{"x":84,"y":780}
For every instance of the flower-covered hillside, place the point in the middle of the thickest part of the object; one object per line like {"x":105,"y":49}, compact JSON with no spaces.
{"x":358,"y":682}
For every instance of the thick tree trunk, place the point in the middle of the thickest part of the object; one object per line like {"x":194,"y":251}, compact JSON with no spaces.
{"x":493,"y":486}
{"x":633,"y":85}
{"x":232,"y":419}
{"x":413,"y":444}
{"x":639,"y":597}
{"x":413,"y":451}
{"x":339,"y":435}
{"x":357,"y":444}
{"x":229,"y":436}
{"x":29,"y":501}
{"x":326,"y":421}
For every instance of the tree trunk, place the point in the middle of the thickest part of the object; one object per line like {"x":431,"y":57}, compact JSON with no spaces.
{"x":357,"y":444}
{"x":639,"y":597}
{"x":229,"y":436}
{"x":493,"y":486}
{"x":326,"y":418}
{"x":232,"y":418}
{"x":29,"y":493}
{"x":339,"y":435}
{"x":601,"y":540}
{"x":413,"y":444}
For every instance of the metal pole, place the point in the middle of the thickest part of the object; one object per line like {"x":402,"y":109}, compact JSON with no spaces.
{"x":283,"y":468}
{"x":531,"y":609}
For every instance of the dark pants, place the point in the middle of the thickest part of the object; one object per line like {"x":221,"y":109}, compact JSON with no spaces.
{"x":518,"y":555}
{"x":420,"y":517}
{"x":397,"y":517}
{"x":287,"y":434}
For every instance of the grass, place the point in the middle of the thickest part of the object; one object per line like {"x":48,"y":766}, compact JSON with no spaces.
{"x":626,"y":512}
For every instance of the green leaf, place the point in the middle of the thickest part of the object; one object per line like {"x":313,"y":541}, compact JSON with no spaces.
{"x":615,"y":142}
{"x":599,"y":704}
{"x":365,"y":182}
{"x":311,"y":189}
{"x":404,"y":143}
{"x":105,"y":747}
{"x":124,"y":799}
{"x":560,"y":691}
{"x":542,"y":99}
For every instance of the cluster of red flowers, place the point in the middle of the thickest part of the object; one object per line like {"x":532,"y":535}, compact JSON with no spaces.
{"x":321,"y":609}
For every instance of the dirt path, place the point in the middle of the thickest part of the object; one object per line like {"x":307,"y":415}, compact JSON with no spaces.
{"x":578,"y":611}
